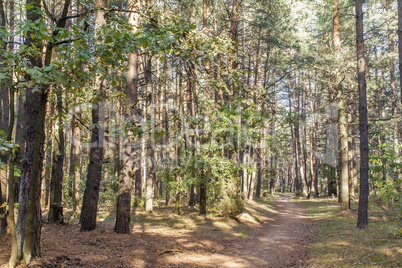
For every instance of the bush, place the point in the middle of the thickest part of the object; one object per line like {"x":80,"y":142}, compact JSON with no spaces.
{"x":231,"y":206}
{"x":139,"y":202}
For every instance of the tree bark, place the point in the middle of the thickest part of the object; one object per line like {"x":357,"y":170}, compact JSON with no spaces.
{"x":362,"y":220}
{"x":33,"y":137}
{"x":56,"y":187}
{"x":91,"y":194}
{"x":129,"y":163}
{"x":11,"y":194}
{"x":74,"y":172}
{"x":295,"y":154}
{"x":204,"y":178}
{"x":149,"y":96}
{"x":149,"y":182}
{"x":11,"y":159}
{"x":298,"y":146}
{"x":343,"y":132}
{"x":4,"y":124}
{"x":31,"y":247}
{"x":400,"y":43}
{"x":48,"y":154}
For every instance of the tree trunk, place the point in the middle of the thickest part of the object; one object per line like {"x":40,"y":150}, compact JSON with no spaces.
{"x":204,"y":178}
{"x":55,"y":208}
{"x":149,"y":185}
{"x":4,"y":124}
{"x":49,"y":154}
{"x":260,"y":167}
{"x":395,"y":134}
{"x":295,"y":154}
{"x":233,"y":35}
{"x":313,"y":143}
{"x":352,"y":150}
{"x":400,"y":43}
{"x":362,"y":220}
{"x":11,"y":158}
{"x":91,"y":195}
{"x":298,"y":146}
{"x":32,"y":135}
{"x":343,"y":132}
{"x":74,"y":172}
{"x":11,"y":195}
{"x":129,"y":163}
{"x":31,"y":247}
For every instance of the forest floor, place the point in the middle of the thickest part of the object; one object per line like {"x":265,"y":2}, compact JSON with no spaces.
{"x":275,"y":233}
{"x":339,"y":243}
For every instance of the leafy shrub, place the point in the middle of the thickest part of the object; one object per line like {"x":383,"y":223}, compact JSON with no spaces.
{"x":139,"y":202}
{"x":231,"y":206}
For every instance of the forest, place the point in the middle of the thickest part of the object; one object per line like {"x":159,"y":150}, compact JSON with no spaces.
{"x":126,"y":108}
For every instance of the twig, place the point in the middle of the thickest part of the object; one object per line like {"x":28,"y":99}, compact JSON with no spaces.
{"x":170,"y":251}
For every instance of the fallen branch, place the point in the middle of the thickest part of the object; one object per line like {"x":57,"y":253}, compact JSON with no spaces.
{"x":170,"y":251}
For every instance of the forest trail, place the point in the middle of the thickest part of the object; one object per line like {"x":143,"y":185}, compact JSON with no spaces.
{"x":281,"y":239}
{"x":285,"y":242}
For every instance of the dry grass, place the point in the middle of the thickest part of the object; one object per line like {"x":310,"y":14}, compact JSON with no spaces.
{"x":340,"y":244}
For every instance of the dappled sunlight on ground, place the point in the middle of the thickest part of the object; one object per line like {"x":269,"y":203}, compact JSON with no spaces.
{"x":268,"y":234}
{"x":339,"y":243}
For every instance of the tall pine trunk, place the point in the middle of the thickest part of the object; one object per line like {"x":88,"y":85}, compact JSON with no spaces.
{"x":362,"y":220}
{"x":31,"y":131}
{"x":74,"y":172}
{"x":31,"y":247}
{"x":400,"y":44}
{"x":129,"y":162}
{"x":204,"y":178}
{"x":55,"y":208}
{"x":91,"y":195}
{"x":4,"y":124}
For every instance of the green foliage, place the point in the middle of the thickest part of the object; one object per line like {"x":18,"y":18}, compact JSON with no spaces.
{"x":6,"y":146}
{"x":397,"y":232}
{"x":386,"y":178}
{"x":139,"y":202}
{"x":231,"y":206}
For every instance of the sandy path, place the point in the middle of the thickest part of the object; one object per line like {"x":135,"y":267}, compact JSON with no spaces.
{"x":283,"y":243}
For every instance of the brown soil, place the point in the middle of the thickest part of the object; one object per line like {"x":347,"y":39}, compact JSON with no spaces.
{"x":276,"y":238}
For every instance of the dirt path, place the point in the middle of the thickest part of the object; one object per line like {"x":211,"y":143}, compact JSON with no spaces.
{"x":271,"y":237}
{"x":285,"y":243}
{"x":282,"y":243}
